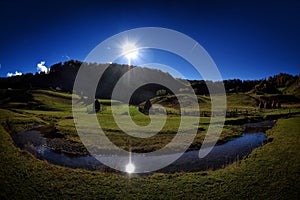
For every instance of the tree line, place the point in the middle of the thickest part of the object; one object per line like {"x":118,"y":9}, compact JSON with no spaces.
{"x":62,"y":77}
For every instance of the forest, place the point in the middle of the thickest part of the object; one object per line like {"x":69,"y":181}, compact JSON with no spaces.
{"x":62,"y":76}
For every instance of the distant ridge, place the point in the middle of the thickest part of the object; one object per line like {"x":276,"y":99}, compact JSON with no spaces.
{"x":62,"y":76}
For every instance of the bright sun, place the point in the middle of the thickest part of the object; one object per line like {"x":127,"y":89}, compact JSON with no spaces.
{"x":130,"y":51}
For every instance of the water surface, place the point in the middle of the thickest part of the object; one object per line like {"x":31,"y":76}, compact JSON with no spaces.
{"x":220,"y":156}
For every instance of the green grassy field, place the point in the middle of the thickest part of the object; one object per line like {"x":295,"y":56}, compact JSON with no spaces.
{"x":269,"y":172}
{"x":54,"y":108}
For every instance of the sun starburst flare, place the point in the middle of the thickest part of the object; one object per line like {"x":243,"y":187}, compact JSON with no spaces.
{"x":130,"y":51}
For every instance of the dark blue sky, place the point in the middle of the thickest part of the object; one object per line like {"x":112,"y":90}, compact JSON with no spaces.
{"x":246,"y":39}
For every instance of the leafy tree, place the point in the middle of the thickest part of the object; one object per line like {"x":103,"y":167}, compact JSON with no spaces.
{"x":147,"y":106}
{"x":96,"y":105}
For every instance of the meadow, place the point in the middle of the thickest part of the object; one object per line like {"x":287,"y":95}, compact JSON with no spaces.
{"x":53,"y":109}
{"x":271,"y":171}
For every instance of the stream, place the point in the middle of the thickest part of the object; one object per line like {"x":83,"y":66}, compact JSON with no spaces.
{"x":220,"y":156}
